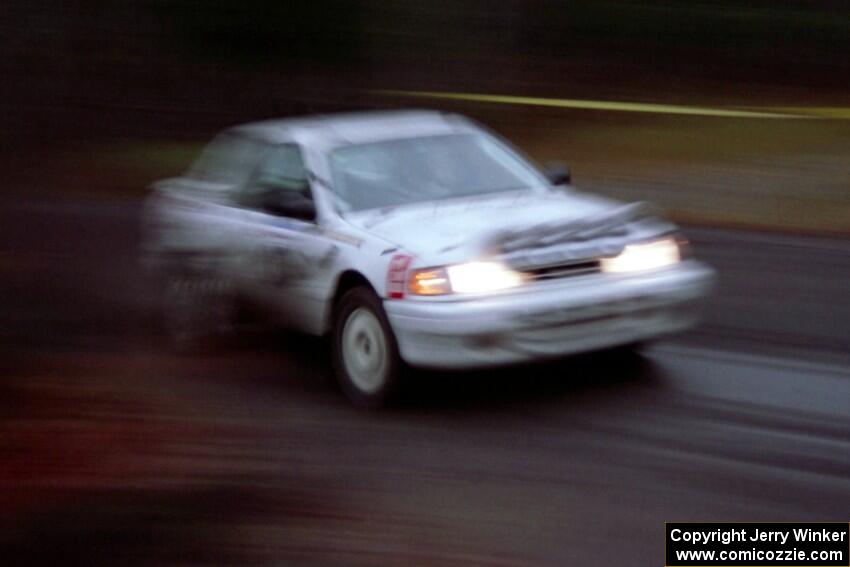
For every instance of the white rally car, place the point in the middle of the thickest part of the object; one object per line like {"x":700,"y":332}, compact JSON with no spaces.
{"x":412,"y":237}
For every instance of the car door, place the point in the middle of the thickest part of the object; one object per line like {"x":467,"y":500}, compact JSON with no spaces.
{"x":286,"y":260}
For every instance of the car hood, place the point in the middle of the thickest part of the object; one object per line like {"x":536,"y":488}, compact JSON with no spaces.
{"x":462,"y":229}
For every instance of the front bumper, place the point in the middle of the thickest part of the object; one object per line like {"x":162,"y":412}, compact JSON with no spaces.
{"x":549,"y":319}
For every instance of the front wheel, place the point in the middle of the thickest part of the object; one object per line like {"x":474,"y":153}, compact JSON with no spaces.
{"x":365,"y":354}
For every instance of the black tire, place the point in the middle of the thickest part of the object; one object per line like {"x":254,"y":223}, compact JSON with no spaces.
{"x":367,"y":366}
{"x":623,"y":358}
{"x":628,"y":350}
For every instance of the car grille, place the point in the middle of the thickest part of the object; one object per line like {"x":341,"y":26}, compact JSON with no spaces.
{"x":572,"y":269}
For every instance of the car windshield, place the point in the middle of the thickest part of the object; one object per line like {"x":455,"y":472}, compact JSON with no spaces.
{"x":398,"y":172}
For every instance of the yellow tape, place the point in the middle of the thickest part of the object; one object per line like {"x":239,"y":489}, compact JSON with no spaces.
{"x":834,"y":113}
{"x":777,"y":112}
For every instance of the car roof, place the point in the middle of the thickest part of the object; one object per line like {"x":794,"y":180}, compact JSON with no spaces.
{"x":330,"y":130}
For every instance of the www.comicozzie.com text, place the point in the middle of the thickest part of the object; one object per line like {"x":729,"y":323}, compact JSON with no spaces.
{"x":726,"y":536}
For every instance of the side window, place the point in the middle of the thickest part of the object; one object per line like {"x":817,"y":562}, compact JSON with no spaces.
{"x":228,"y":159}
{"x":283,"y":170}
{"x":278,"y":183}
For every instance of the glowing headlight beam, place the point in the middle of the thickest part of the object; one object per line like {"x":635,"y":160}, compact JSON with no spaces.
{"x":643,"y":256}
{"x":482,"y":277}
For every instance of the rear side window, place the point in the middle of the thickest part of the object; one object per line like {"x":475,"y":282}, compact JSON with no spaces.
{"x":228,"y":159}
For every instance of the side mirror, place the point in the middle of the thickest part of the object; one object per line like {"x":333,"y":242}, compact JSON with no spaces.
{"x":558,"y":173}
{"x":291,"y":204}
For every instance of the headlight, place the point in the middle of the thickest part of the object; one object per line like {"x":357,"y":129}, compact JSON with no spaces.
{"x":433,"y":281}
{"x":478,"y":277}
{"x":474,"y":277}
{"x":643,"y":256}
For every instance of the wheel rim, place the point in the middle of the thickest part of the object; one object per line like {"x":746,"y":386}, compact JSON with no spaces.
{"x":364,"y":350}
